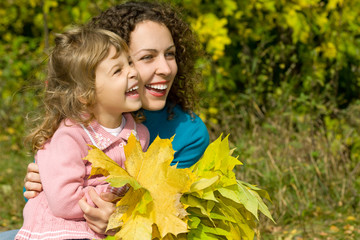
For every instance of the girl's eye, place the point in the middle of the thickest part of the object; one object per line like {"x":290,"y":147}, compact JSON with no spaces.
{"x":117,"y":71}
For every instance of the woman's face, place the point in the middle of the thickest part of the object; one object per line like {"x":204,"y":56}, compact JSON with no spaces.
{"x":153,"y":52}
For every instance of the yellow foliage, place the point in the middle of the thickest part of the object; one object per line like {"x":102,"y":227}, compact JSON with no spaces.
{"x":154,"y":198}
{"x":213,"y":32}
{"x":332,"y":4}
{"x":299,"y":25}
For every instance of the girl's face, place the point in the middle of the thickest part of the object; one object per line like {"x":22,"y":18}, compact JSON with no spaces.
{"x":153,"y":51}
{"x":116,"y":82}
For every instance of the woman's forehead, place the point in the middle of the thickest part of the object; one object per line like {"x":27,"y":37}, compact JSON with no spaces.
{"x":149,"y":35}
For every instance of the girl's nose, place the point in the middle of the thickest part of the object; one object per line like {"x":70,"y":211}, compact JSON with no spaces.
{"x":133,"y":73}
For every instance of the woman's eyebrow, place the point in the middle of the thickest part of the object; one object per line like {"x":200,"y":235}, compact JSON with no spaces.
{"x":172,"y":46}
{"x":145,"y":50}
{"x":153,"y":49}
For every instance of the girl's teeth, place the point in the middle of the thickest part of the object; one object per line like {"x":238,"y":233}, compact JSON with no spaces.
{"x":133,"y":89}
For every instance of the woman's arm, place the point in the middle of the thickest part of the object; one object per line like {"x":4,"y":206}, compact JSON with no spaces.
{"x":32,"y":182}
{"x":97,"y":217}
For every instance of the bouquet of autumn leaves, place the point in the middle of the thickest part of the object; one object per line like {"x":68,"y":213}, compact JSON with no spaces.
{"x":205,"y":201}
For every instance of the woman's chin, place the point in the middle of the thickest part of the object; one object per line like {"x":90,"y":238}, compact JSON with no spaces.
{"x":154,"y":105}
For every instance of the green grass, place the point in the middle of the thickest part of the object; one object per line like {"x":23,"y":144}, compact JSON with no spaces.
{"x":327,"y":224}
{"x":310,"y":168}
{"x":13,"y":168}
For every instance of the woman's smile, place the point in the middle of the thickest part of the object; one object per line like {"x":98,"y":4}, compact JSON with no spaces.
{"x":157,"y":89}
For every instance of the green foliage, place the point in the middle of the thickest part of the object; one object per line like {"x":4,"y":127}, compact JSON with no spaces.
{"x":11,"y":183}
{"x":267,"y":51}
{"x":219,"y":206}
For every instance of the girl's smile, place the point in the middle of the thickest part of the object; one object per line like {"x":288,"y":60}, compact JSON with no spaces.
{"x":116,"y":89}
{"x":132,"y":91}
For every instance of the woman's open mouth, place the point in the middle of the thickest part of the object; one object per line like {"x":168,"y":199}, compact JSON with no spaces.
{"x":157,"y":90}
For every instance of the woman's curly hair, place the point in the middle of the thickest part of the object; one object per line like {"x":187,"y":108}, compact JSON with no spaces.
{"x":122,"y":20}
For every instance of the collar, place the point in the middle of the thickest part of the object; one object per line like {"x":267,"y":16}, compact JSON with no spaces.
{"x":103,"y":139}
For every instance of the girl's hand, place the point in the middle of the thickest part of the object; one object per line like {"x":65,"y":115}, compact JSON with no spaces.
{"x":32,"y":182}
{"x":97,"y":218}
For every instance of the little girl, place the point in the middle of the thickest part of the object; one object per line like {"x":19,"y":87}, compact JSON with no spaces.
{"x":91,"y":85}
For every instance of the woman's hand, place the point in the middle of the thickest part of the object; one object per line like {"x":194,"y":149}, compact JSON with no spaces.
{"x":32,"y":182}
{"x":97,"y":218}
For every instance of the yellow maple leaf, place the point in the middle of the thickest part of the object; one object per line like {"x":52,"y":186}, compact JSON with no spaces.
{"x":154,"y":198}
{"x":102,"y":164}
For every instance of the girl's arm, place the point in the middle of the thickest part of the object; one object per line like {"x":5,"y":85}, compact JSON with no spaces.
{"x":97,"y":217}
{"x":64,"y":173}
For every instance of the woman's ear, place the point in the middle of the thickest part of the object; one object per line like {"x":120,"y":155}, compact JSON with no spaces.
{"x":82,"y":100}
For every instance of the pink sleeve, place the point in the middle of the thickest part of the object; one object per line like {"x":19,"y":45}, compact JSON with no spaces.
{"x":144,"y":136}
{"x":62,"y":172}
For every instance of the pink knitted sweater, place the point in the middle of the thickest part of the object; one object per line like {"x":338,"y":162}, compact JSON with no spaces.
{"x":55,"y":213}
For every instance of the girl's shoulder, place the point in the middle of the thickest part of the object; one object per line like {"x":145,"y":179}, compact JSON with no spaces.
{"x":68,"y":126}
{"x":69,"y":135}
{"x":140,"y":128}
{"x":69,"y":129}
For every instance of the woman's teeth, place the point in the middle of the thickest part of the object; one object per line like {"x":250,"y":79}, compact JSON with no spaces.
{"x":158,"y":86}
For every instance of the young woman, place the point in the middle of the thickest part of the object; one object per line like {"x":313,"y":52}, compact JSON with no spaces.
{"x":91,"y":85}
{"x":164,"y":51}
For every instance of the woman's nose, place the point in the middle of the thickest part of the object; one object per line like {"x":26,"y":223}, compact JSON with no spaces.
{"x":163,"y":66}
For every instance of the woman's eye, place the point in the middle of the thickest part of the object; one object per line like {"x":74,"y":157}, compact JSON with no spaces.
{"x":170,"y":54}
{"x":147,"y":57}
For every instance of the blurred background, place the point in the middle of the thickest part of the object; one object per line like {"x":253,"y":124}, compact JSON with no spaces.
{"x":281,"y":77}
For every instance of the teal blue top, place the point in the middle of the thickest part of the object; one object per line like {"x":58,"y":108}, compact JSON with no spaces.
{"x":191,"y":135}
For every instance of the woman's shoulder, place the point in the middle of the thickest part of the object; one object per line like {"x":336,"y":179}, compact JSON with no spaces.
{"x":188,"y":119}
{"x":191,"y":138}
{"x":190,"y":128}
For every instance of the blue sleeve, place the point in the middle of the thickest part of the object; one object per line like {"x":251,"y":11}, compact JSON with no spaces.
{"x":191,"y":137}
{"x":190,"y":143}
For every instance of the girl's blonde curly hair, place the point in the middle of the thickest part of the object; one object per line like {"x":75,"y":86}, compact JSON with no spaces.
{"x":70,"y":83}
